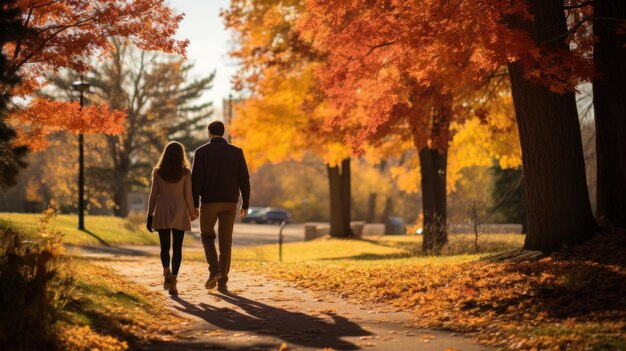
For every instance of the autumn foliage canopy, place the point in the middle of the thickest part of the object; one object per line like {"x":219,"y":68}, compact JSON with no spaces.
{"x":65,"y":34}
{"x":391,"y":49}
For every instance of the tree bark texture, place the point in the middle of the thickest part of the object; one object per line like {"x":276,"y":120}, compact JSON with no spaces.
{"x":433,"y":165}
{"x":609,"y":102}
{"x":371,"y":208}
{"x":339,"y":185}
{"x":558,"y":208}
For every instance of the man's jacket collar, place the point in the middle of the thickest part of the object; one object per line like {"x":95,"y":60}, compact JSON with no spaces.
{"x":218,"y":140}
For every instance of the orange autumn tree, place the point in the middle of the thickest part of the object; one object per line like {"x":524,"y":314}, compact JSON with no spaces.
{"x":436,"y":126}
{"x":396,"y":102}
{"x":452,"y":45}
{"x":62,"y":34}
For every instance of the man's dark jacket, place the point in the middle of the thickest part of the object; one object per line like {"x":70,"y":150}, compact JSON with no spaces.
{"x":219,"y":172}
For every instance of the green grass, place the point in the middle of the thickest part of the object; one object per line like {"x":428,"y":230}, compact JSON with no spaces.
{"x":380,"y":250}
{"x":372,"y":252}
{"x":101,"y":230}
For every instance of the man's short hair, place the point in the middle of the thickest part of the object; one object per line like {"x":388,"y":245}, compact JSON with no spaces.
{"x":216,"y":128}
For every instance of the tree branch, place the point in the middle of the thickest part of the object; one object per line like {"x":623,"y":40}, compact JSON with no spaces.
{"x":377,"y":46}
{"x":577,"y":26}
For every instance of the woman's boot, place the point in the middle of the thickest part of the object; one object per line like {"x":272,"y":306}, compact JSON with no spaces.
{"x":173,"y":290}
{"x":167,"y":280}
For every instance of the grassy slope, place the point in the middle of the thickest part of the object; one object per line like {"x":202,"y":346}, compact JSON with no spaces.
{"x":101,"y":230}
{"x":108,"y":312}
{"x":570,"y":301}
{"x":375,"y":252}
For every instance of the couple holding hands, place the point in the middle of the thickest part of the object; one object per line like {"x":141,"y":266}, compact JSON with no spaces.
{"x":209,"y":190}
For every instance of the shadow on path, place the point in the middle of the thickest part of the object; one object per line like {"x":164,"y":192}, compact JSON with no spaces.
{"x":100,"y":240}
{"x":293,"y":327}
{"x":109,"y":250}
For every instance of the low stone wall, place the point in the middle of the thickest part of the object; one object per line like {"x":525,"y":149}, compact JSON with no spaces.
{"x":488,"y":228}
{"x":313,"y":230}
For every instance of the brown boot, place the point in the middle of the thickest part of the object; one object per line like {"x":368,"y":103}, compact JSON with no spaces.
{"x":211,"y":283}
{"x":167,"y":280}
{"x":173,"y":290}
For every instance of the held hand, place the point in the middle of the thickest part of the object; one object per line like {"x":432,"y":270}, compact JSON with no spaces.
{"x":195,"y":214}
{"x":242,"y":213}
{"x":149,"y":223}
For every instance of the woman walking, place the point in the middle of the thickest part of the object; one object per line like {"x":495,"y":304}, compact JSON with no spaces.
{"x":171,"y":208}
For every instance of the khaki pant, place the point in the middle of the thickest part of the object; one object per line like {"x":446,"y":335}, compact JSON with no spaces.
{"x":224,"y":213}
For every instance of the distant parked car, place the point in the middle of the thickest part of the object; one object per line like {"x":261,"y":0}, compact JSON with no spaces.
{"x":277,"y":215}
{"x":255,"y":215}
{"x":262,"y":215}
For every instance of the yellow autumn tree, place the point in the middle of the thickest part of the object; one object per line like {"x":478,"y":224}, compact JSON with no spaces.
{"x":282,"y":119}
{"x":489,"y":135}
{"x":273,"y":125}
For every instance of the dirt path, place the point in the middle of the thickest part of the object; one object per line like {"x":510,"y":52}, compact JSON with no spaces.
{"x":262,"y":314}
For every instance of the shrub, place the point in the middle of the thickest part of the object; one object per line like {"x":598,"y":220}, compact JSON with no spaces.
{"x":32,"y":291}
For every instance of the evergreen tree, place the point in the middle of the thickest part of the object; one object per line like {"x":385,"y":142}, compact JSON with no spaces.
{"x":11,"y":156}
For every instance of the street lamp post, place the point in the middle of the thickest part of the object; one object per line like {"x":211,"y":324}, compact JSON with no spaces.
{"x":230,"y":114}
{"x":81,"y":87}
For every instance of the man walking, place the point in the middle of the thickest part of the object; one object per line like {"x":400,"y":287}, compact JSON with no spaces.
{"x":218,"y":175}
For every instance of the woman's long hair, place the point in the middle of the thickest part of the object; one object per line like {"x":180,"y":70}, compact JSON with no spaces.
{"x":173,"y":164}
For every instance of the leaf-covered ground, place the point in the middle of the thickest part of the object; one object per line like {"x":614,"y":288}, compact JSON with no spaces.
{"x":572,"y":300}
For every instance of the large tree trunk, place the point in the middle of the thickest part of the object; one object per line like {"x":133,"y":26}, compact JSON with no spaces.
{"x":388,"y":210}
{"x":120,"y":186}
{"x":119,"y":197}
{"x":346,"y":196}
{"x":558,"y":207}
{"x":339,"y":184}
{"x":371,"y":208}
{"x":433,"y":164}
{"x":609,"y":102}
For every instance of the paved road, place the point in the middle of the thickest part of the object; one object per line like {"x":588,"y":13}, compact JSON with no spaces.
{"x":259,"y":234}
